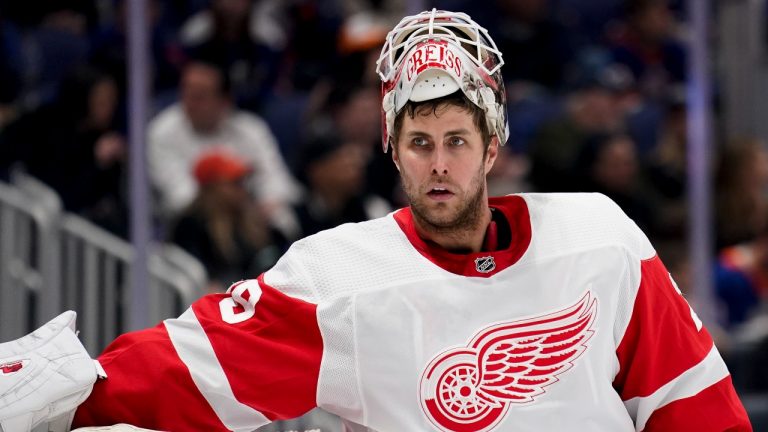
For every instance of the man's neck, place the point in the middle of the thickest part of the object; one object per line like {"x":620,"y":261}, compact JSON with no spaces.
{"x":461,"y":240}
{"x":206,"y":130}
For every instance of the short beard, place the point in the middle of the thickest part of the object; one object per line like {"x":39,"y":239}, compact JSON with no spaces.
{"x":466,"y":220}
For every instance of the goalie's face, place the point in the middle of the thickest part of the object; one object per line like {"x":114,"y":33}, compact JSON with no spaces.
{"x":443,"y":161}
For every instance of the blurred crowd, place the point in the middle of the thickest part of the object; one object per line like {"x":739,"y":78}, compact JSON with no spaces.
{"x":265,"y":122}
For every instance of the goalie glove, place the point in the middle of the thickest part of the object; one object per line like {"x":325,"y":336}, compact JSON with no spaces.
{"x":44,"y":376}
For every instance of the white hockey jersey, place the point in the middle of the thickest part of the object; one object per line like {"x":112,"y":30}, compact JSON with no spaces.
{"x":575,"y":326}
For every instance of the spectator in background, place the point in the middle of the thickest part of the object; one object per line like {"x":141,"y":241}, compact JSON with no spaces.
{"x":78,"y":16}
{"x":390,"y":10}
{"x":740,"y":220}
{"x":509,"y":173}
{"x":359,"y":44}
{"x":317,"y":57}
{"x":347,"y":98}
{"x":666,"y":165}
{"x":538,"y":48}
{"x":333,"y":170}
{"x":223,"y":227}
{"x":350,"y":105}
{"x":71,"y":144}
{"x":10,"y":76}
{"x":350,"y":108}
{"x":310,"y":51}
{"x":109,"y":49}
{"x":740,"y":276}
{"x":596,"y":106}
{"x":740,"y":184}
{"x":54,"y":40}
{"x":648,"y":46}
{"x":608,"y":164}
{"x":205,"y":119}
{"x":243,"y":38}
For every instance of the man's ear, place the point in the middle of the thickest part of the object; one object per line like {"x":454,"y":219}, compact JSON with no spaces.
{"x":492,"y":153}
{"x":395,"y":157}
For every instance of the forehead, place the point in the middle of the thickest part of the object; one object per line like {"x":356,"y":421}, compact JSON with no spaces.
{"x":439,"y":120}
{"x":201,"y":76}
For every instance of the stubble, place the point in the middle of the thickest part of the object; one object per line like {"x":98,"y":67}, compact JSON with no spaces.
{"x":466,"y":218}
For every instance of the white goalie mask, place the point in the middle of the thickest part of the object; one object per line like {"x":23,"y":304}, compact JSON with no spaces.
{"x":434,"y":54}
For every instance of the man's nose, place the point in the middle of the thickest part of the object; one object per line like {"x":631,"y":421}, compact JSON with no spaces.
{"x":439,"y":161}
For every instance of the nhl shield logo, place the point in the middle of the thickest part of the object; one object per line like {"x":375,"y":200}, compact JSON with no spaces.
{"x":485,"y":264}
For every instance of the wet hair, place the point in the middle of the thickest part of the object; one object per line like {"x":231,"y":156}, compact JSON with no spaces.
{"x":432,"y":106}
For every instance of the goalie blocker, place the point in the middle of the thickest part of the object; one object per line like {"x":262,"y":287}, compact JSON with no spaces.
{"x":44,"y":376}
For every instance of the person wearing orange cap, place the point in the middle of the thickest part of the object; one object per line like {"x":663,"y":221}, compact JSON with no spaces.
{"x":223,"y":227}
{"x":205,"y":119}
{"x":219,"y":166}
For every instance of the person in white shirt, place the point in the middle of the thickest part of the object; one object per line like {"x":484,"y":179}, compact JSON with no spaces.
{"x":202,"y":120}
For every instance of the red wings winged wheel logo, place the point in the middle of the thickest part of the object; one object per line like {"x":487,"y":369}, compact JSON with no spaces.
{"x":471,"y":388}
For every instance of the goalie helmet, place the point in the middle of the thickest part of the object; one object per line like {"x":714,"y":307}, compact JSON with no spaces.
{"x":436,"y":53}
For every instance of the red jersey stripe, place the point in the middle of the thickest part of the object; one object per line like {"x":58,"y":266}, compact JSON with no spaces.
{"x":668,"y":360}
{"x":281,"y":335}
{"x":715,"y":409}
{"x":195,"y":351}
{"x":662,"y":340}
{"x":136,"y":363}
{"x":707,"y":373}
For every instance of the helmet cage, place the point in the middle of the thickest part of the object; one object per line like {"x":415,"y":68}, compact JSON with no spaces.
{"x":480,"y":78}
{"x":454,"y":26}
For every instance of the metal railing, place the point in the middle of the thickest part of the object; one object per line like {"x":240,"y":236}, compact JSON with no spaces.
{"x":52,"y":261}
{"x":28,"y":266}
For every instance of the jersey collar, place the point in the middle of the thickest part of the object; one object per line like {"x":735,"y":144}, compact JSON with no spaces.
{"x":481,"y":264}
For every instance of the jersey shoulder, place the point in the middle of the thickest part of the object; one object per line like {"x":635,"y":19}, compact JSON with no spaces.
{"x":346,"y":259}
{"x":569,"y":222}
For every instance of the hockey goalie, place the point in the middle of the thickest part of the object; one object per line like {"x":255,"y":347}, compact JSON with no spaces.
{"x":458,"y":313}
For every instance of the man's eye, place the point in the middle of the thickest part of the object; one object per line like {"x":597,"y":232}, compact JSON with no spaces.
{"x":419,"y":141}
{"x":456,"y":141}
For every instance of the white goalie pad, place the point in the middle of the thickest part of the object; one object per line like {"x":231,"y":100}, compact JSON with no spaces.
{"x":44,"y":376}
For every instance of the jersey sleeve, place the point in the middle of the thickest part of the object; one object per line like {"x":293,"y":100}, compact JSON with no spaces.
{"x":671,"y":376}
{"x":233,"y":361}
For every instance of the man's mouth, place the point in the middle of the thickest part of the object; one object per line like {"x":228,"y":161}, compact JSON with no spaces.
{"x":439,"y":193}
